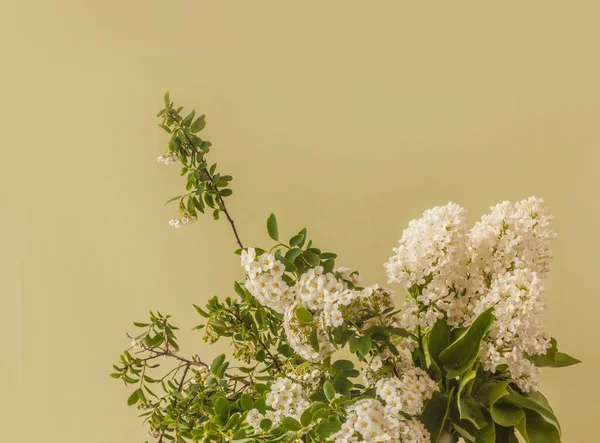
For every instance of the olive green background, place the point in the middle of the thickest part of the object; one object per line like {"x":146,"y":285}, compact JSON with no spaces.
{"x":349,"y":118}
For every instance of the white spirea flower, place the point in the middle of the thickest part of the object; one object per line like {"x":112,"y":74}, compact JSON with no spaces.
{"x":168,"y":158}
{"x":265,"y":281}
{"x":409,"y":392}
{"x":369,"y":421}
{"x":299,"y":336}
{"x":286,"y":399}
{"x":181,"y":222}
{"x":315,"y":286}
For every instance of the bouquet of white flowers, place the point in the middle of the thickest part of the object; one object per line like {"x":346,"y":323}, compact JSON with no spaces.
{"x":460,"y":358}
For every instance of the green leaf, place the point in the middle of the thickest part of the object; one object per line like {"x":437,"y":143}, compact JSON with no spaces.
{"x":272,"y":227}
{"x":439,"y":339}
{"x":325,"y":429}
{"x":460,"y":355}
{"x":297,"y":239}
{"x":552,"y":358}
{"x":470,"y":410}
{"x":216,"y":364}
{"x":364,"y":345}
{"x":534,"y":429}
{"x":291,"y":424}
{"x":530,"y":404}
{"x":435,"y":413}
{"x":266,"y":424}
{"x":246,"y":402}
{"x":329,"y":390}
{"x":306,"y":416}
{"x":304,"y":315}
{"x":198,"y":124}
{"x":167,"y":99}
{"x":314,"y":340}
{"x":172,"y":199}
{"x":311,"y":258}
{"x":225,"y":192}
{"x":222,"y":407}
{"x":133,"y":398}
{"x":293,"y":253}
{"x":506,"y":415}
{"x":343,"y":365}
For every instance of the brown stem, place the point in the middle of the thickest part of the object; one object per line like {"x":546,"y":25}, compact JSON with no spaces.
{"x":219,"y":198}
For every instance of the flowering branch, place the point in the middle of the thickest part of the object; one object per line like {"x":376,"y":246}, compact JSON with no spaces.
{"x":460,"y":359}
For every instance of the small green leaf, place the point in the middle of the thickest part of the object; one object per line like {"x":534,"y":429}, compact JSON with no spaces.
{"x":222,"y":407}
{"x":304,"y":315}
{"x":246,"y":402}
{"x":325,"y":429}
{"x":314,"y":340}
{"x":217,"y":362}
{"x":198,"y":124}
{"x":167,"y":99}
{"x":329,"y":390}
{"x":343,"y":365}
{"x":311,"y":258}
{"x":291,"y":424}
{"x":266,"y":424}
{"x":364,"y":345}
{"x":172,"y":199}
{"x":133,"y":398}
{"x":272,"y":227}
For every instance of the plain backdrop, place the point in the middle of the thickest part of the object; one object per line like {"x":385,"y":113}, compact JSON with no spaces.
{"x":349,"y":118}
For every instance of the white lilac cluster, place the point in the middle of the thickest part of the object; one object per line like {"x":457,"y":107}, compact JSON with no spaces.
{"x":181,"y":222}
{"x":519,"y":302}
{"x":409,"y":391}
{"x":368,"y":420}
{"x":510,"y":256}
{"x":499,"y":263}
{"x":168,"y":158}
{"x":432,"y":256}
{"x":286,"y":399}
{"x":512,"y":236}
{"x":265,"y":281}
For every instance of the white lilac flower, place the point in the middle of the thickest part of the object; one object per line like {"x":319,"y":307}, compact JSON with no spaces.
{"x":518,"y":299}
{"x":168,"y":158}
{"x":432,"y":256}
{"x":512,"y":236}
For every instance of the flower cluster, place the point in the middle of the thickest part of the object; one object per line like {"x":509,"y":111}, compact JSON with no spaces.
{"x":407,"y":392}
{"x":368,"y":420}
{"x":265,"y":281}
{"x":181,"y":222}
{"x":168,"y":158}
{"x":499,"y":263}
{"x":299,"y":336}
{"x":431,"y":258}
{"x":286,"y":399}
